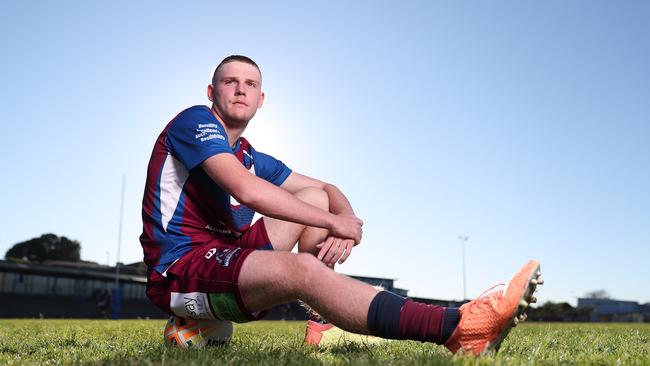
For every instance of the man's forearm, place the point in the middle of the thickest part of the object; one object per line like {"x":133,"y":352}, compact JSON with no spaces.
{"x":276,"y":202}
{"x":266,"y":198}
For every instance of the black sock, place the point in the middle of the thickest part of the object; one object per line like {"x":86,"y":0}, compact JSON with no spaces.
{"x":449,"y":323}
{"x":384,"y":314}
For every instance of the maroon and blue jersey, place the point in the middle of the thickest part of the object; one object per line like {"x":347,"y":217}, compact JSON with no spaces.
{"x":182,"y":205}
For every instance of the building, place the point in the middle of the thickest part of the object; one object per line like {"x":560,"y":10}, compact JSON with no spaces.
{"x":70,"y":290}
{"x":609,"y":310}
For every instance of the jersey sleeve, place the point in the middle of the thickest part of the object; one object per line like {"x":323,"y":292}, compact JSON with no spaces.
{"x":196,"y":135}
{"x":270,"y":168}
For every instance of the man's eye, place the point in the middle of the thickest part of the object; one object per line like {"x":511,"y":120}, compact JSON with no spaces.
{"x":250,"y":83}
{"x":228,"y":82}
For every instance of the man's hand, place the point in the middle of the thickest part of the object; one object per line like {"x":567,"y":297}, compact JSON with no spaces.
{"x":335,"y":249}
{"x":345,"y":233}
{"x":347,"y":226}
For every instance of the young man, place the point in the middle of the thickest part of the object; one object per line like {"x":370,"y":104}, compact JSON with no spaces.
{"x":206,"y":261}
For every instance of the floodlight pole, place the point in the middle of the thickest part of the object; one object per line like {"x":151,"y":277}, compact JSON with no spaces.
{"x":117,"y":294}
{"x":463,"y":240}
{"x":119,"y":236}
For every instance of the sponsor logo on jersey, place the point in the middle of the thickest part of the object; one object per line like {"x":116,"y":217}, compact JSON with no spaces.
{"x":210,"y":253}
{"x":193,"y":305}
{"x":225,"y":256}
{"x":219,"y":230}
{"x":208,"y":131}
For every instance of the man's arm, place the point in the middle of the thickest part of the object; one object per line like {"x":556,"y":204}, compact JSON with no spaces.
{"x":339,"y":204}
{"x":276,"y":202}
{"x":334,"y":248}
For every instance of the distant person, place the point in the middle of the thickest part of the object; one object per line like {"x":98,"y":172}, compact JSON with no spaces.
{"x":103,"y":297}
{"x":207,"y":260}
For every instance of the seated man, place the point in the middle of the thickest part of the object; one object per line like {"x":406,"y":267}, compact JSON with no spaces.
{"x":207,"y":260}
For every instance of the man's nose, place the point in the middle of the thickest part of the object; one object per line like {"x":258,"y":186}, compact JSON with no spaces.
{"x":240,"y":91}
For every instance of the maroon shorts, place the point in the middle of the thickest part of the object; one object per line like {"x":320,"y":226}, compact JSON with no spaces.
{"x":204,"y":283}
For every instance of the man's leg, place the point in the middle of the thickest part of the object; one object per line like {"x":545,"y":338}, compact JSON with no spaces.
{"x":270,"y":278}
{"x":285,"y":234}
{"x":347,"y":303}
{"x":333,"y":295}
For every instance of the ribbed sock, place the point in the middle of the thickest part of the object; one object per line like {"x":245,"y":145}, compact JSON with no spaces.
{"x":394,"y":317}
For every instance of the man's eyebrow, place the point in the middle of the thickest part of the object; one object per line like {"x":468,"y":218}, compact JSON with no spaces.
{"x":236,"y":78}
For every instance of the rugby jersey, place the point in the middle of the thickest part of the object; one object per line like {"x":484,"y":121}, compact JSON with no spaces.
{"x":182,"y":206}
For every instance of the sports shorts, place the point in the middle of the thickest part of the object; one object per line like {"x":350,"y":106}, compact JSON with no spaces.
{"x":204,"y":283}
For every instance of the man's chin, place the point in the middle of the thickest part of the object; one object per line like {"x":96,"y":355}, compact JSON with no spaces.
{"x":238,"y":119}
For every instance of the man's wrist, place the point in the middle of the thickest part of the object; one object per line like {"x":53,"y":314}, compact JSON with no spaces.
{"x":331,"y":218}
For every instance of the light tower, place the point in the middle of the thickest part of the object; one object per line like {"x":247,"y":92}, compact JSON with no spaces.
{"x":117,"y":293}
{"x":463,"y":240}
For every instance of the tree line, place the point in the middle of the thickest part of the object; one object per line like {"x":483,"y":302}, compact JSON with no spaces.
{"x":46,"y":247}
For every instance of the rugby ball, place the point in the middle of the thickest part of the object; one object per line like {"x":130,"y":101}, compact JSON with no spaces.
{"x":191,"y":333}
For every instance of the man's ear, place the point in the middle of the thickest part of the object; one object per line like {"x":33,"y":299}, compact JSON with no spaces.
{"x":210,"y":92}
{"x":259,"y":104}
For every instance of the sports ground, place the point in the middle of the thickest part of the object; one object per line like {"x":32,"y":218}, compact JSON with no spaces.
{"x":139,"y":342}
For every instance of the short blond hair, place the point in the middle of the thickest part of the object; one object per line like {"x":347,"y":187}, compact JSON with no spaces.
{"x":233,"y":58}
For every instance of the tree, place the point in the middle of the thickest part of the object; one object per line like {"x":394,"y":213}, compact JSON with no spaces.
{"x":47,"y":247}
{"x":559,"y":312}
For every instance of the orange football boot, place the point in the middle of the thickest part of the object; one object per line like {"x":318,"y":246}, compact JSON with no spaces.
{"x":325,"y":335}
{"x":315,"y":330}
{"x":486,"y":321}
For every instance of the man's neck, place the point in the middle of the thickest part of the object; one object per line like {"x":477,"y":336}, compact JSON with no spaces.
{"x":234,"y":130}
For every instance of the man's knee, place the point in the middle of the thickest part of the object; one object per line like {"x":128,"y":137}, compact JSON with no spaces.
{"x":314,"y":196}
{"x":307,"y":267}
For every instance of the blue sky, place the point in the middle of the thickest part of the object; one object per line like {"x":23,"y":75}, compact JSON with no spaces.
{"x":523,"y":125}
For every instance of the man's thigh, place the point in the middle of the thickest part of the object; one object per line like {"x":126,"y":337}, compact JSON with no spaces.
{"x":204,"y":284}
{"x":283,"y":235}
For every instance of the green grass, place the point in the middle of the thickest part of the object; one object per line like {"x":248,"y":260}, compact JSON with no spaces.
{"x":139,"y":342}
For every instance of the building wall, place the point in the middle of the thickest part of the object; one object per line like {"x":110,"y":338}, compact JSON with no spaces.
{"x":45,"y":294}
{"x":57,"y":306}
{"x":28,"y":283}
{"x":609,"y":310}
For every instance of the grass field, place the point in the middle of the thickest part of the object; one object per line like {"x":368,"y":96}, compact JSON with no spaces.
{"x":139,"y":342}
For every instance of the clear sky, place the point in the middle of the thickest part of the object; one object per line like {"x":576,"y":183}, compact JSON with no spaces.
{"x":523,"y":125}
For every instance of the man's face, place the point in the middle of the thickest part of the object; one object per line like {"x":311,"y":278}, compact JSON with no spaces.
{"x":236,"y":93}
